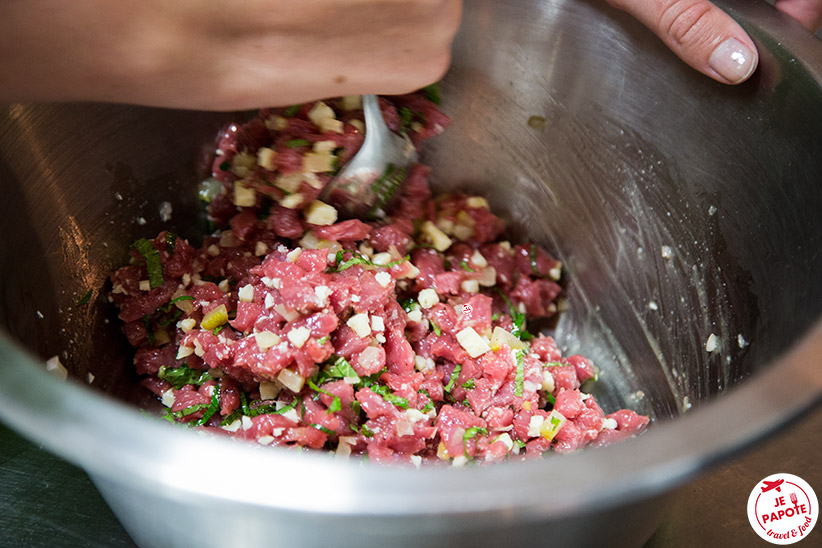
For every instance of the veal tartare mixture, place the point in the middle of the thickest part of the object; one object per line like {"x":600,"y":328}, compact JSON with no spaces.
{"x":402,"y":337}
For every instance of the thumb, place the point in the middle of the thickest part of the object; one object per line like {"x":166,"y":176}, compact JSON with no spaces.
{"x":700,"y":34}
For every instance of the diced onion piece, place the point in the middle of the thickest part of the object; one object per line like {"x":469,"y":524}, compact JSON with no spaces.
{"x":298,"y":336}
{"x":477,"y":202}
{"x":488,"y":277}
{"x":184,"y":352}
{"x":269,"y":390}
{"x":243,"y":163}
{"x":435,"y":236}
{"x":145,"y":285}
{"x":292,"y":201}
{"x":500,"y":336}
{"x":246,"y":293}
{"x":265,"y":158}
{"x":244,"y":195}
{"x":290,"y":182}
{"x":552,"y":425}
{"x":286,"y":313}
{"x":383,"y":278}
{"x":470,"y":286}
{"x":320,"y":213}
{"x":505,"y":438}
{"x":556,"y":272}
{"x":291,"y":380}
{"x":343,"y":451}
{"x":310,"y":241}
{"x":318,"y":162}
{"x":535,"y":425}
{"x":56,"y":368}
{"x":428,"y":298}
{"x":381,"y":259}
{"x":187,"y":325}
{"x":360,"y":324}
{"x":478,"y":259}
{"x":260,"y":249}
{"x":351,"y":102}
{"x":215,"y":318}
{"x":442,"y":452}
{"x":416,"y":460}
{"x":548,"y":382}
{"x":415,"y":315}
{"x":324,"y":118}
{"x":472,"y":342}
{"x":168,"y":398}
{"x":266,"y":339}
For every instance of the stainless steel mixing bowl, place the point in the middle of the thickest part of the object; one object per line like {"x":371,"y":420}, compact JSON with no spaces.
{"x":683,"y":210}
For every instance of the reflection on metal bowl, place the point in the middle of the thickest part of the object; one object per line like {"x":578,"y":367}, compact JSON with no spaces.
{"x":686,"y":212}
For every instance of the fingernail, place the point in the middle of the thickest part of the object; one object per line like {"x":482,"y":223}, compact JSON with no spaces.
{"x":733,"y":60}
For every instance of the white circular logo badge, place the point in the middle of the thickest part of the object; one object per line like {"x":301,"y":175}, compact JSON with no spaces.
{"x":783,"y":509}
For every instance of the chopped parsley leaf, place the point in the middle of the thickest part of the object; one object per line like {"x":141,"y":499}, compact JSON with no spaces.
{"x":335,"y":404}
{"x":171,"y":241}
{"x":432,"y":93}
{"x":153,"y":264}
{"x":85,"y":298}
{"x":296,"y":143}
{"x":550,"y":398}
{"x":519,"y":379}
{"x":454,"y":374}
{"x":322,"y":428}
{"x":465,"y":267}
{"x":469,"y":384}
{"x":291,"y":111}
{"x":183,"y":375}
{"x":385,"y":187}
{"x":149,"y":330}
{"x":470,"y":434}
{"x":435,"y":328}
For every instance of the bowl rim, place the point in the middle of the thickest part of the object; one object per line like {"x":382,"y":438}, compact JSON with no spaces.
{"x":119,"y":443}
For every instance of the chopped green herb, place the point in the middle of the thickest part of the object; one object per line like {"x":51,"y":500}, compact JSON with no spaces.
{"x":550,"y":398}
{"x":342,"y":370}
{"x":85,"y":298}
{"x":171,"y":319}
{"x":532,"y":253}
{"x":212,"y":407}
{"x":296,"y":143}
{"x":219,"y":328}
{"x":236,"y":414}
{"x":470,"y":434}
{"x":322,"y":428}
{"x":171,"y":241}
{"x":466,"y":267}
{"x":322,"y":340}
{"x":183,"y":375}
{"x":454,"y":374}
{"x":335,"y":404}
{"x":356,"y":407}
{"x":389,"y":396}
{"x":495,"y":316}
{"x":427,"y":407}
{"x":385,"y":187}
{"x":432,"y":93}
{"x":519,"y":444}
{"x":469,"y":384}
{"x":408,"y":304}
{"x":519,"y":379}
{"x":149,"y":329}
{"x":359,"y":259}
{"x":435,"y":328}
{"x":153,"y":264}
{"x":367,"y":432}
{"x":291,"y":111}
{"x":406,"y":118}
{"x":517,"y":317}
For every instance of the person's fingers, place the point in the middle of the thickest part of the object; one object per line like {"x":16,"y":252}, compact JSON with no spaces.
{"x":807,"y":12}
{"x":700,"y":34}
